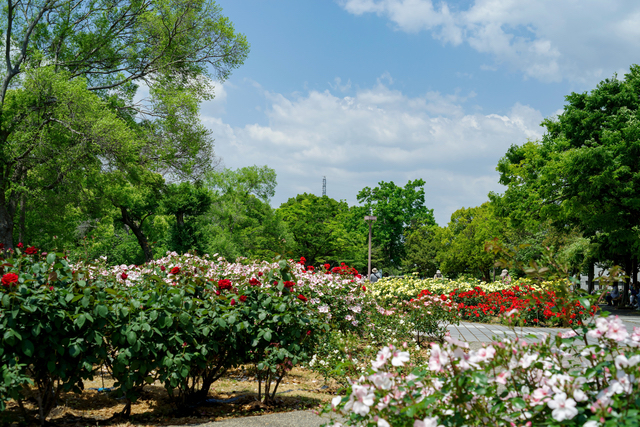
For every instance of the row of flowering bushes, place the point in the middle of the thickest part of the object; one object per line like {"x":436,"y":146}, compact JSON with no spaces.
{"x":563,"y":380}
{"x":545,"y":304}
{"x":405,"y":288}
{"x":538,"y":308}
{"x":183,"y":321}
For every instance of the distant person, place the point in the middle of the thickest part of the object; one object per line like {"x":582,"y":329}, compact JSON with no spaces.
{"x":504,"y":276}
{"x":375,"y":275}
{"x":438,"y":275}
{"x":613,"y":295}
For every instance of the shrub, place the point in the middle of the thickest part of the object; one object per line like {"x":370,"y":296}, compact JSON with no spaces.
{"x":561,"y":380}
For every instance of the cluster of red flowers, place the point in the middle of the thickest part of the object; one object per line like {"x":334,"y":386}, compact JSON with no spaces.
{"x":344,"y":270}
{"x":31,"y":250}
{"x":534,"y":308}
{"x":224,"y":284}
{"x":289,"y":284}
{"x":9,"y":279}
{"x":175,"y":270}
{"x":254,"y":282}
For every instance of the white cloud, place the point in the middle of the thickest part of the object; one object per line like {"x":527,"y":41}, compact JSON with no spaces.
{"x":550,"y":40}
{"x":379,"y":134}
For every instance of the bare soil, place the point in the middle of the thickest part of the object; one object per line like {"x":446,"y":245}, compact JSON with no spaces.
{"x":300,"y":389}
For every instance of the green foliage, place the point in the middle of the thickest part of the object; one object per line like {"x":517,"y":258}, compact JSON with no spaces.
{"x":187,"y":201}
{"x":242,"y":221}
{"x":463,"y":242}
{"x":317,"y":226}
{"x":583,"y":172}
{"x":397,"y":209}
{"x":67,"y":105}
{"x":53,"y":328}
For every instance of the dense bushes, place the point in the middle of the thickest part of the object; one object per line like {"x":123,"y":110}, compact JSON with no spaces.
{"x":181,"y":320}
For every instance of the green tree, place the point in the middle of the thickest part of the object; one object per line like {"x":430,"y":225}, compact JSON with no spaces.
{"x":316,"y":224}
{"x":186,"y":202}
{"x":423,"y":244}
{"x":241,"y":220}
{"x":584,"y":172}
{"x":69,"y":80}
{"x":397,"y":209}
{"x":463,"y":242}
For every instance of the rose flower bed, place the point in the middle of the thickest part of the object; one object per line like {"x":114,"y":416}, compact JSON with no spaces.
{"x":182,"y":322}
{"x":545,"y":304}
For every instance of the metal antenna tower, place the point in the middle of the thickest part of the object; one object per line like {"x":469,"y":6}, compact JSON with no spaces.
{"x":324,"y":185}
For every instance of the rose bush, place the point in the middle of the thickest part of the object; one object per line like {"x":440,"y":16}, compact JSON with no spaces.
{"x":408,"y":287}
{"x":561,"y":380}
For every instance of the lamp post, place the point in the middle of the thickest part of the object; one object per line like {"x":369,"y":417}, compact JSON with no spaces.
{"x":370,"y":219}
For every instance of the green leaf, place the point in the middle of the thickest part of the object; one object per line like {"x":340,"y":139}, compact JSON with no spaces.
{"x":80,"y":320}
{"x":51,"y":258}
{"x":74,"y":350}
{"x":262,"y":315}
{"x":102,"y":311}
{"x":28,"y":348}
{"x":232,"y":320}
{"x":185,"y":318}
{"x":585,"y":302}
{"x":519,"y":403}
{"x":267,"y":336}
{"x":51,"y":366}
{"x":131,"y":338}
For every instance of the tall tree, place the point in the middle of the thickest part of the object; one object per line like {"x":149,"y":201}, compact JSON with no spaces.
{"x":317,"y":227}
{"x":584,"y":172}
{"x":396,"y":208}
{"x":70,"y":75}
{"x":242,"y":221}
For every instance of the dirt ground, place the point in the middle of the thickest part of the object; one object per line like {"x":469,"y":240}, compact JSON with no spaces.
{"x":300,"y":389}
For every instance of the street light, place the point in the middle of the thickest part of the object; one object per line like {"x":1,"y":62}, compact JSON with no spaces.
{"x":370,"y":219}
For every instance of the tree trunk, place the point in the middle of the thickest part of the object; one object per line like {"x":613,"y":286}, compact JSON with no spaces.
{"x":625,"y":293}
{"x":7,"y":212}
{"x":23,"y":213}
{"x":591,"y":276}
{"x":137,"y":231}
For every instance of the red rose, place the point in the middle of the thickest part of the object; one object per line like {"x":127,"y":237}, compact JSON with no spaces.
{"x":50,"y":288}
{"x":175,"y":270}
{"x":342,"y":264}
{"x":217,"y":292}
{"x":302,"y":298}
{"x":20,"y":245}
{"x":275,"y":283}
{"x":162,"y":268}
{"x":310,"y":268}
{"x":233,"y":301}
{"x":124,"y":276}
{"x":254,"y":282}
{"x":308,"y":332}
{"x":289,"y":284}
{"x":31,"y":250}
{"x":9,"y":279}
{"x":260,"y":273}
{"x":224,"y":284}
{"x":303,"y":259}
{"x":364,"y":288}
{"x":327,"y":266}
{"x":243,"y":298}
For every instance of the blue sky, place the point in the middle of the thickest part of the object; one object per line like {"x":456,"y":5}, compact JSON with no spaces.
{"x":363,"y":91}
